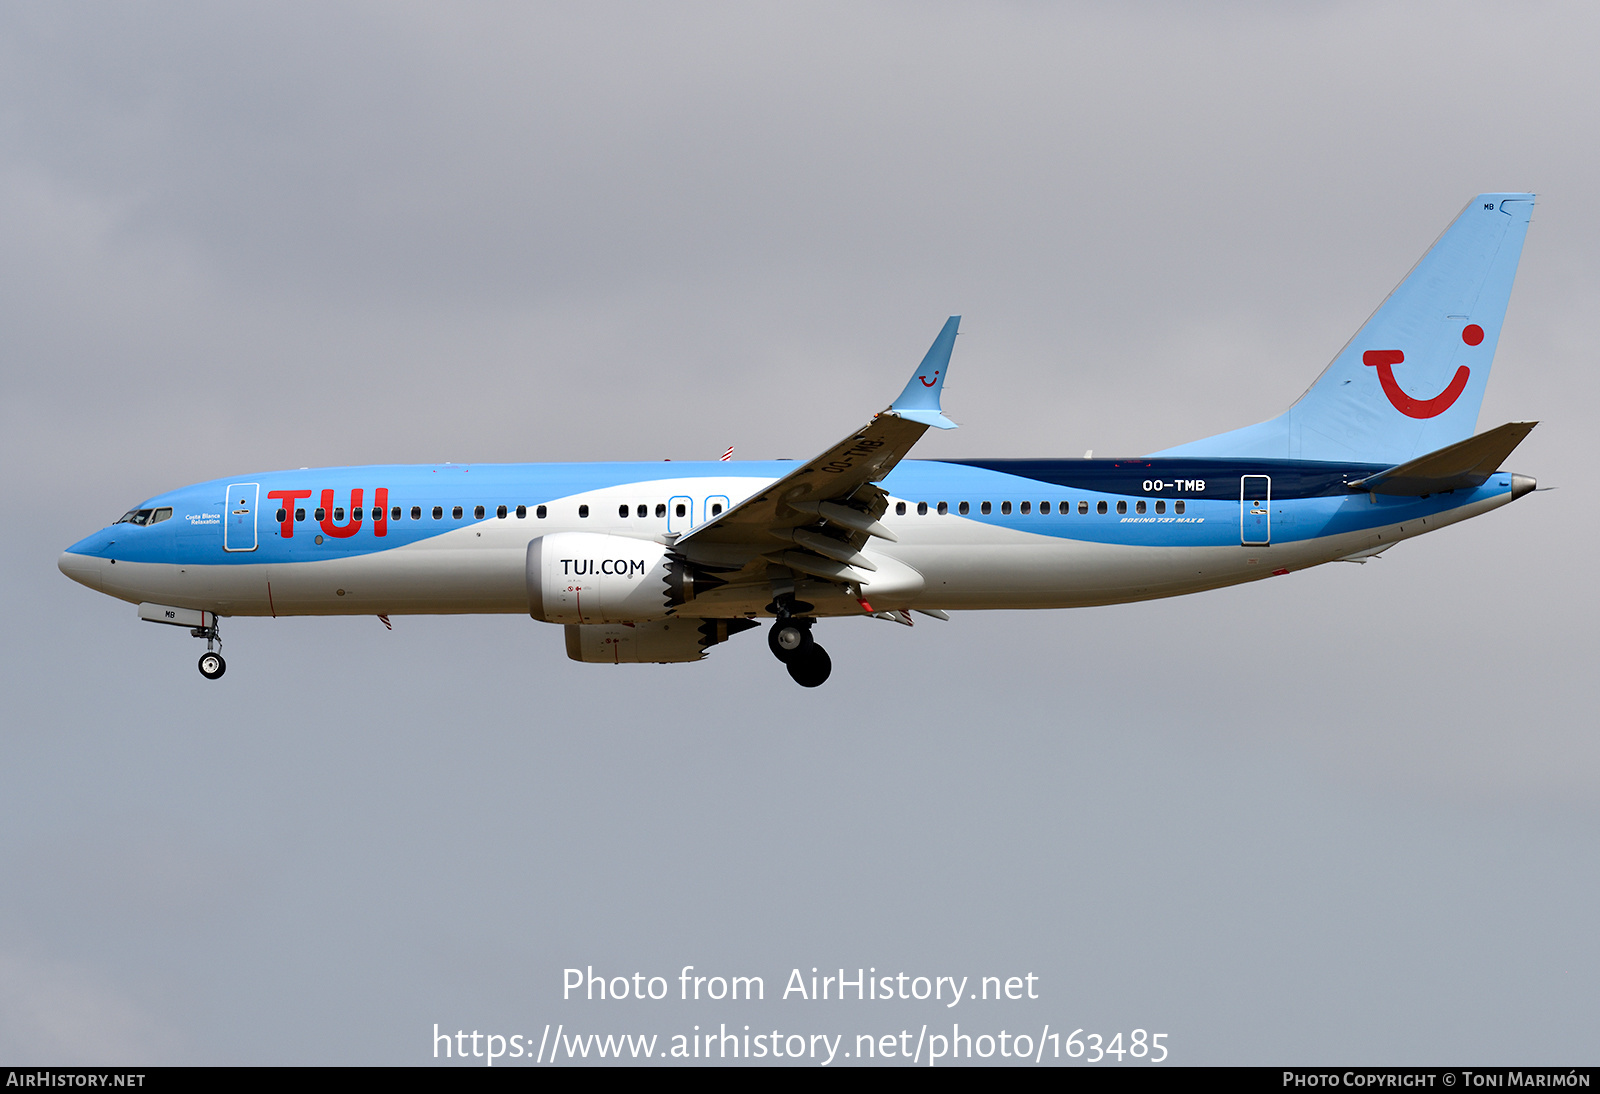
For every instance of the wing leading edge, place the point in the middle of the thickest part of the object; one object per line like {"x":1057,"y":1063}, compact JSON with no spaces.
{"x":816,"y":519}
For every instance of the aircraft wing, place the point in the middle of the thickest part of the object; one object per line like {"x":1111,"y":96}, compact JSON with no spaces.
{"x":817,"y":517}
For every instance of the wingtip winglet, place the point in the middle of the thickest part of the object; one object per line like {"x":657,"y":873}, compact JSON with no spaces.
{"x":926,"y":417}
{"x":919,"y":402}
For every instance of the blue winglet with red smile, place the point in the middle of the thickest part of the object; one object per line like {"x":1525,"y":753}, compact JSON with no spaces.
{"x":919,"y":402}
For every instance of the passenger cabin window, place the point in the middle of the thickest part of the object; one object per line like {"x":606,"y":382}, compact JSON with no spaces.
{"x":622,"y":511}
{"x":541,"y":512}
{"x":356,"y":514}
{"x":1005,"y":509}
{"x":680,"y":509}
{"x":964,"y":508}
{"x":320,"y":513}
{"x":984,"y":508}
{"x":477,"y":512}
{"x":1161,"y":507}
{"x":338,"y":514}
{"x":1026,"y":508}
{"x":899,"y":508}
{"x":944,"y":508}
{"x":1122,"y":507}
{"x":644,"y":511}
{"x":661,"y":509}
{"x":283,"y":515}
{"x":583,"y":511}
{"x":455,"y":512}
{"x":1044,"y":507}
{"x":922,"y":508}
{"x":1083,"y":507}
{"x":438,"y":512}
{"x":1177,"y":507}
{"x":716,"y":508}
{"x":1100,"y":507}
{"x":299,"y":514}
{"x":1138,"y":507}
{"x":522,"y":512}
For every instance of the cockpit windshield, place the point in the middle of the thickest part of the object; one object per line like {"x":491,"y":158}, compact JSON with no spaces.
{"x":146,"y":516}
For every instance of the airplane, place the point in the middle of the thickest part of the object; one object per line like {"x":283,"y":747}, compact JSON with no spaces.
{"x":660,"y":562}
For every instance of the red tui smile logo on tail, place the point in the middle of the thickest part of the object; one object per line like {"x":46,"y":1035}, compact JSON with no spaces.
{"x":1384,"y":361}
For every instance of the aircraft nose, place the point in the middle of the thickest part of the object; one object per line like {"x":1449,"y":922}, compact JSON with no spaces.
{"x":83,"y":569}
{"x":1522,"y":484}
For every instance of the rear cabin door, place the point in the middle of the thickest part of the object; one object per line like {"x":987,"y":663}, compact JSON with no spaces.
{"x":239,"y":516}
{"x":1255,"y":516}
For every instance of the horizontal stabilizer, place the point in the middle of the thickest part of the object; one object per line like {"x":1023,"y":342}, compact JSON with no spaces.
{"x":1464,"y":465}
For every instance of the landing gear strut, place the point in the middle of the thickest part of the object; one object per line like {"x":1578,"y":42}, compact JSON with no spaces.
{"x":211,"y":663}
{"x":791,"y":642}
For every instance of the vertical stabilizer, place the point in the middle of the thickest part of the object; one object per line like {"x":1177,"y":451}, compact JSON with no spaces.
{"x":1412,"y":379}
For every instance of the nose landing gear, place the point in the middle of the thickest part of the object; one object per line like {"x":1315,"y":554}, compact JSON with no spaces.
{"x":212,"y":665}
{"x":790,"y":641}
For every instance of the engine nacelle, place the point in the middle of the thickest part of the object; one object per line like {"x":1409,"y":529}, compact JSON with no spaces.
{"x":663,"y":641}
{"x":589,"y":577}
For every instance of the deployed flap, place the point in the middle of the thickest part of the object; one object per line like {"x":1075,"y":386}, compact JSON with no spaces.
{"x":838,"y":475}
{"x":1463,"y":465}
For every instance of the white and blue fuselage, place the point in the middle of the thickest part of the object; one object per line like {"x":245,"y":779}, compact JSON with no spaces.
{"x":973,"y":534}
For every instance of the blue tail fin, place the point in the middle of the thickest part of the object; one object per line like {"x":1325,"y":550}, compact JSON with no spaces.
{"x":1412,"y":379}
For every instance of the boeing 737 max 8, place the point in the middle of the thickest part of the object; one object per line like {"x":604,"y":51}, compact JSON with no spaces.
{"x":661,"y":561}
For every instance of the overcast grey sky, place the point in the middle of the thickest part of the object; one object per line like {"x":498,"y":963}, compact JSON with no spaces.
{"x":1346,"y":816}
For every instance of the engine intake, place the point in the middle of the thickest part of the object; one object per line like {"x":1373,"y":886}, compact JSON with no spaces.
{"x":590,"y":577}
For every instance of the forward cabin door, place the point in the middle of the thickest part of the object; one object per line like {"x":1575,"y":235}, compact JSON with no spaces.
{"x":1255,"y":510}
{"x":239,"y":516}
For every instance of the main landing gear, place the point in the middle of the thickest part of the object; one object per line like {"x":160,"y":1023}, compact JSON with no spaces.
{"x":212,"y":665}
{"x":791,"y":642}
